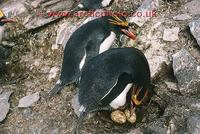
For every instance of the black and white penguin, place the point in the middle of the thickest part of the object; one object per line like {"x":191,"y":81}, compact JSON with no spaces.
{"x":109,"y":78}
{"x":92,"y":4}
{"x":86,"y":42}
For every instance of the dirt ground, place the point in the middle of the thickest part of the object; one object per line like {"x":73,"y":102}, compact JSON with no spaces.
{"x":32,"y":59}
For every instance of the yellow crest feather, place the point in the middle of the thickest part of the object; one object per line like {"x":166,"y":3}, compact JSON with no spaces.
{"x":1,"y":14}
{"x":118,"y":21}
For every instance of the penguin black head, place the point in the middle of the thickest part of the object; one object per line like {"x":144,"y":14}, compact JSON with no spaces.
{"x":4,"y":20}
{"x":120,"y":25}
{"x":92,"y":4}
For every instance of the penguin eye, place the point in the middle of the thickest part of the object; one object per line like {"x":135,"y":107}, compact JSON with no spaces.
{"x":117,"y":21}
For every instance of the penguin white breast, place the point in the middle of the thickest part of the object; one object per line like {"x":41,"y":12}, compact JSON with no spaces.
{"x":106,"y":44}
{"x":2,"y":29}
{"x":105,"y":3}
{"x":121,"y":99}
{"x":82,"y":62}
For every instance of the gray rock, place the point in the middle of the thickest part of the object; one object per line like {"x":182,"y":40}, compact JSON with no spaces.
{"x":187,"y":72}
{"x":64,"y":32}
{"x":4,"y":105}
{"x":13,"y":8}
{"x":193,"y":124}
{"x":38,"y":20}
{"x":192,"y":7}
{"x":181,"y":17}
{"x":36,"y":3}
{"x":147,"y":6}
{"x":175,"y":119}
{"x":66,"y":29}
{"x":156,"y":127}
{"x":171,"y":34}
{"x":155,"y":51}
{"x":157,"y":58}
{"x":195,"y":29}
{"x":29,"y":100}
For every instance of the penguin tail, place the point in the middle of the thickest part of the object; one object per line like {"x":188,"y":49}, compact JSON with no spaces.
{"x":79,"y":122}
{"x":58,"y":87}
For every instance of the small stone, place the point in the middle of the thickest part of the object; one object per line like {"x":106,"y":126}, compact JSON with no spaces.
{"x":4,"y":105}
{"x":171,"y":85}
{"x":29,"y":84}
{"x":55,"y":131}
{"x":118,"y":117}
{"x":53,"y":73}
{"x":27,"y":112}
{"x":171,"y":34}
{"x":130,"y":115}
{"x":29,"y":100}
{"x":195,"y":29}
{"x":182,"y":17}
{"x":37,"y":62}
{"x":75,"y":104}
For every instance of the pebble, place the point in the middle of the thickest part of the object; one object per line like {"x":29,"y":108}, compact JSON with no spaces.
{"x":195,"y":29}
{"x":181,"y":17}
{"x":171,"y":34}
{"x":29,"y":100}
{"x":53,"y":73}
{"x":4,"y":104}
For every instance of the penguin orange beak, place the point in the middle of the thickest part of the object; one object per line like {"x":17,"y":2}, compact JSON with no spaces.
{"x":134,"y":96}
{"x":6,"y":20}
{"x":129,"y":33}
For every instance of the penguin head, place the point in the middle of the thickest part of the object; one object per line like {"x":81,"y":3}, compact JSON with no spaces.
{"x":4,"y":20}
{"x":119,"y":25}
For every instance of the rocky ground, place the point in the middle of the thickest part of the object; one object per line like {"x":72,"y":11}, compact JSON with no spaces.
{"x":170,"y":41}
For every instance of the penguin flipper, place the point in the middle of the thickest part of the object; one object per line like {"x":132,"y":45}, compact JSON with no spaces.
{"x":122,"y":81}
{"x":91,"y":50}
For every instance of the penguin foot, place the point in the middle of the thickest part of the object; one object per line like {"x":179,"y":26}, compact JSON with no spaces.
{"x":79,"y":122}
{"x":57,"y":88}
{"x":135,"y":96}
